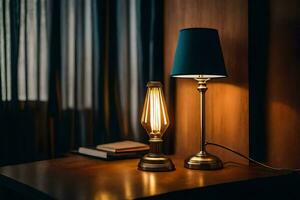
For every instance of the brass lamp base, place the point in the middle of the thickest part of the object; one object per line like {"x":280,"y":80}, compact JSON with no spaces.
{"x":156,"y":163}
{"x":203,"y":161}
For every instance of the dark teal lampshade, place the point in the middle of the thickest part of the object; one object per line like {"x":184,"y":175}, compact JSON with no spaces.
{"x":198,"y":54}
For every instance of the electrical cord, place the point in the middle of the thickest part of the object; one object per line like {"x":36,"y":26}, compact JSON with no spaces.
{"x":250,"y":159}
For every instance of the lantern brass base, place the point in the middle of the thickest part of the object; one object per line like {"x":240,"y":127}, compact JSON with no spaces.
{"x":156,"y":163}
{"x":203,"y":161}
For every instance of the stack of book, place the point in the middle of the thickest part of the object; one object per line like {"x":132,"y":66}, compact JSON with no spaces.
{"x":116,"y":150}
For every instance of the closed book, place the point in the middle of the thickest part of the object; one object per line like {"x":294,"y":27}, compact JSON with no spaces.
{"x":94,"y":152}
{"x":123,"y":146}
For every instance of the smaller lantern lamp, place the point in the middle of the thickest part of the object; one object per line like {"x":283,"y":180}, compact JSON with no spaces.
{"x":155,"y":121}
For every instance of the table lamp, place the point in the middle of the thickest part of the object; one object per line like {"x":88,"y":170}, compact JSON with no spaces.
{"x":155,"y":121}
{"x":199,"y":56}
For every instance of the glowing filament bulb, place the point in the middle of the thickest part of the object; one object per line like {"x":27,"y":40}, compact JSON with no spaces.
{"x":155,"y":118}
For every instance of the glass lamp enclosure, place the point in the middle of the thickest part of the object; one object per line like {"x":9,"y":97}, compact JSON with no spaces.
{"x":155,"y":119}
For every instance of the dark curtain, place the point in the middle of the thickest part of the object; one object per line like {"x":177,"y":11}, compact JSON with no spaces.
{"x":74,"y":73}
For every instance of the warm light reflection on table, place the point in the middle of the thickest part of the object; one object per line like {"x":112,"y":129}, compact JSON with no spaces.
{"x":200,"y":179}
{"x":104,"y":196}
{"x":149,"y":182}
{"x":128,"y":185}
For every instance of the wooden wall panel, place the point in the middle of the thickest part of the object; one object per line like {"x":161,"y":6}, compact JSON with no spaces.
{"x":283,"y":94}
{"x":227,"y":99}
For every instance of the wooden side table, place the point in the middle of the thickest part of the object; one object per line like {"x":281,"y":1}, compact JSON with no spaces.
{"x":78,"y":177}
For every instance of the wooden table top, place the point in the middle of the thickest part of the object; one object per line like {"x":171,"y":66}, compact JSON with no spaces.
{"x":79,"y":177}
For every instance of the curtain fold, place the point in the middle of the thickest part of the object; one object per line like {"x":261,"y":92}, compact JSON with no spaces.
{"x":74,"y":72}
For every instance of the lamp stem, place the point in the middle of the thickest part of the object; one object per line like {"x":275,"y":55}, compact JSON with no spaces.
{"x":202,"y":89}
{"x":203,"y":159}
{"x":155,"y":146}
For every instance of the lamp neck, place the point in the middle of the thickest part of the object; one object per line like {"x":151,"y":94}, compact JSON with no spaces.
{"x":202,"y":84}
{"x":202,"y":89}
{"x":155,"y":146}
